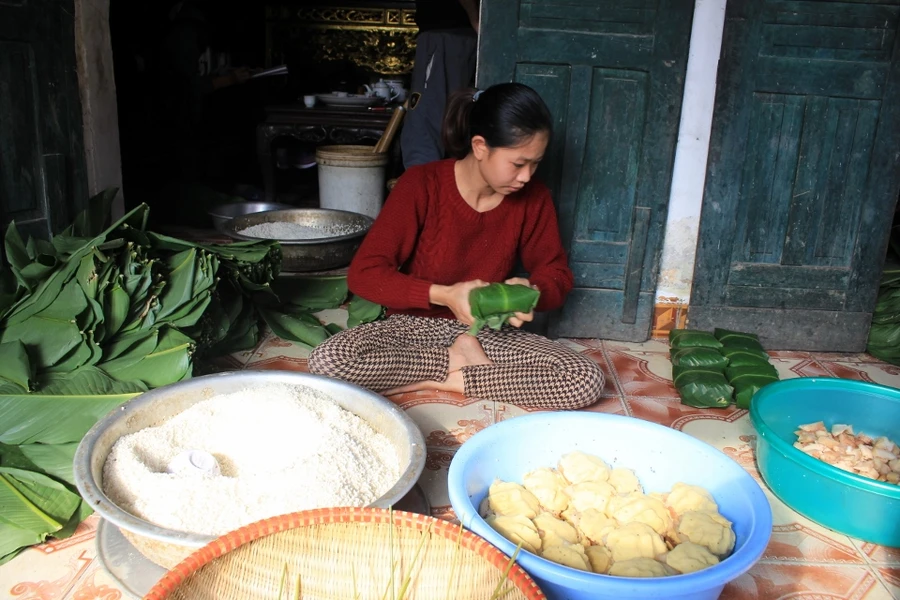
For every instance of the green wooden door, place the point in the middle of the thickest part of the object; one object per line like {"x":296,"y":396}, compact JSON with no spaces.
{"x":42,"y":173}
{"x":612,"y":73}
{"x":803,"y":172}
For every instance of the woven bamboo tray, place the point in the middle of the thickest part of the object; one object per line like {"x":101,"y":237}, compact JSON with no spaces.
{"x":342,"y":554}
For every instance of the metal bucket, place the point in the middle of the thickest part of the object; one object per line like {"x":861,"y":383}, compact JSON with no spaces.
{"x":351,"y":178}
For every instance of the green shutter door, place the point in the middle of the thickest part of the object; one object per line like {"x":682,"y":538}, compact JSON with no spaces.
{"x":803,"y":172}
{"x":612,"y":73}
{"x":42,"y":173}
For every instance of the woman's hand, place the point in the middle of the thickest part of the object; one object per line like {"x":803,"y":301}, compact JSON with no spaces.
{"x":456,"y":298}
{"x":520,"y":318}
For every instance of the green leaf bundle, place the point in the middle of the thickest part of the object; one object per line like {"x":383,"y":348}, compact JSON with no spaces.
{"x":690,"y":338}
{"x":494,"y":304}
{"x":703,"y":388}
{"x":89,"y":320}
{"x":743,"y":357}
{"x":737,"y":339}
{"x":363,"y":311}
{"x":884,"y":333}
{"x":699,"y":356}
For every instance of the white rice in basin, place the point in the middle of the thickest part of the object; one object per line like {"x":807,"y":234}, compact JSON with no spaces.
{"x":280,"y":449}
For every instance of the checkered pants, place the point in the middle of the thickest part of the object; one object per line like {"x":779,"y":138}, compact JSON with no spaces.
{"x":529,"y":370}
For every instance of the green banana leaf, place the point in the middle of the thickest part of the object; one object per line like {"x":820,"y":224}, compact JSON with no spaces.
{"x":50,"y":496}
{"x":763,"y":370}
{"x":119,"y":298}
{"x":744,"y":358}
{"x":698,"y":357}
{"x":10,"y":292}
{"x":116,"y":303}
{"x":884,"y":336}
{"x":493,"y":305}
{"x":890,"y":277}
{"x":48,"y":290}
{"x":16,"y":252}
{"x":724,"y":334}
{"x":362,"y":311}
{"x":313,"y":293}
{"x":144,"y":311}
{"x":54,"y":460}
{"x":136,"y":345}
{"x":69,"y":404}
{"x":191,"y":312}
{"x":300,"y":327}
{"x":85,"y":353}
{"x":14,"y":365}
{"x":81,"y":513}
{"x":734,"y":339}
{"x":218,"y":318}
{"x":745,"y":386}
{"x":254,"y":264}
{"x":13,"y":540}
{"x":677,"y":370}
{"x":66,"y":246}
{"x":38,"y":270}
{"x":703,"y":388}
{"x":240,"y":322}
{"x":189,"y":273}
{"x":689,"y":338}
{"x":51,"y":333}
{"x":31,"y":503}
{"x":168,"y":362}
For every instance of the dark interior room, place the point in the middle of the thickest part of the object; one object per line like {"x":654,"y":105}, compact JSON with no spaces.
{"x":189,"y":112}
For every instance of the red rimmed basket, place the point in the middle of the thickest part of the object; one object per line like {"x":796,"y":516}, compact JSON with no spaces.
{"x":345,"y":553}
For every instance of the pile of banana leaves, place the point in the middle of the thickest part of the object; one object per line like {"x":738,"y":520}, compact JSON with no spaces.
{"x":94,"y":317}
{"x":884,"y":334}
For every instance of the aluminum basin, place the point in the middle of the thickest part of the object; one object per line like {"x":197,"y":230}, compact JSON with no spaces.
{"x":319,"y":254}
{"x":167,"y":547}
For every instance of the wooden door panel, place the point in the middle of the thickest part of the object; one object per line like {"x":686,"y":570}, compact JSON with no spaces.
{"x":798,"y":197}
{"x":552,"y":82}
{"x":42,"y":171}
{"x":21,"y":183}
{"x":612,"y":74}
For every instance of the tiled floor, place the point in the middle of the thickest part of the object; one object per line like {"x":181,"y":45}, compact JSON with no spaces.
{"x":803,"y":560}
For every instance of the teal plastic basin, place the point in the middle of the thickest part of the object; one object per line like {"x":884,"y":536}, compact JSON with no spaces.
{"x":850,"y":504}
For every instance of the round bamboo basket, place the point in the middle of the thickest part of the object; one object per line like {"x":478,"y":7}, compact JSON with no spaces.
{"x":346,"y":553}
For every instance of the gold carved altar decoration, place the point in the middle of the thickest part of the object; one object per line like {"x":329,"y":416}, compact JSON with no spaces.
{"x":382,"y":39}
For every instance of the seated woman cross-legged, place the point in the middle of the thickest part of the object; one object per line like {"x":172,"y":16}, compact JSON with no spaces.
{"x":447,"y":228}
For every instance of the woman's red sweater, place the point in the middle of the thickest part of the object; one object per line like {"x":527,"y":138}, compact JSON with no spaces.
{"x":427,"y":234}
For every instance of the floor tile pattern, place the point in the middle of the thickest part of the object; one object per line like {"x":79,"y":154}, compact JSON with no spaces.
{"x":803,"y":561}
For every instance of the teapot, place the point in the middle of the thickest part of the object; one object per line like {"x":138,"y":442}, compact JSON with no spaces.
{"x":382,"y":90}
{"x":397,"y":86}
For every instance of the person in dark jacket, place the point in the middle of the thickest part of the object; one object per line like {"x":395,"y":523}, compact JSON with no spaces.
{"x":445,"y":62}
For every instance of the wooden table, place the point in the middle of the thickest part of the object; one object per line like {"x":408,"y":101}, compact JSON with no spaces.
{"x":320,"y":125}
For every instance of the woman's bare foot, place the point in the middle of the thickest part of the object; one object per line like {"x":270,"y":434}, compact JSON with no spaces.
{"x":465,"y":351}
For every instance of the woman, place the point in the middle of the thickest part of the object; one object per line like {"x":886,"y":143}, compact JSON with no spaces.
{"x":449,"y":227}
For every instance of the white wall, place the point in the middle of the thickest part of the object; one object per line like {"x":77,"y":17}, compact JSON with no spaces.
{"x":689,"y":175}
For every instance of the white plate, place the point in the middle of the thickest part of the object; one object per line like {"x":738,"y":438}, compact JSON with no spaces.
{"x":349,"y":100}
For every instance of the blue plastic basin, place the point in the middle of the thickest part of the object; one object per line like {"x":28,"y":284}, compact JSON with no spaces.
{"x":659,"y":455}
{"x":845,"y":502}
